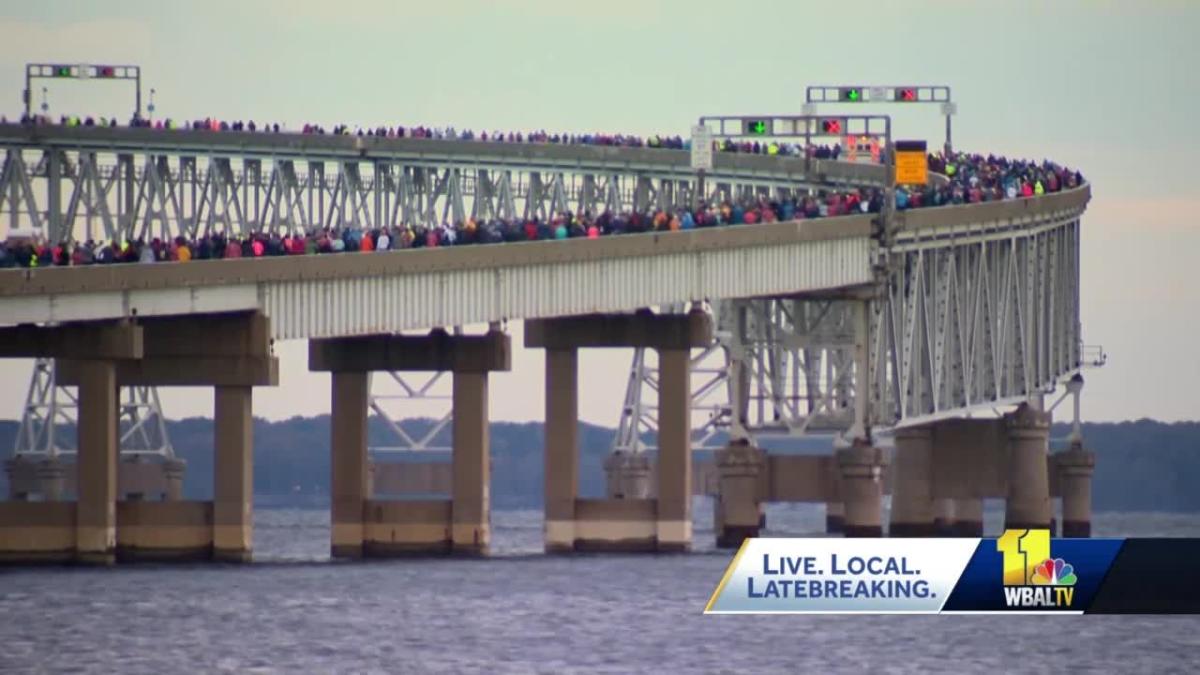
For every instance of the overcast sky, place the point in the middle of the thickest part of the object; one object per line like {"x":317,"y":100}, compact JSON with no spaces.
{"x":1109,"y":87}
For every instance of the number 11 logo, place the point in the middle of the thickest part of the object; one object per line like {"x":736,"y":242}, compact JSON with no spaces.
{"x":1023,"y":551}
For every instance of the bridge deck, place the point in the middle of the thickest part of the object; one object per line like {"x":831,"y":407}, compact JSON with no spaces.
{"x":354,"y":293}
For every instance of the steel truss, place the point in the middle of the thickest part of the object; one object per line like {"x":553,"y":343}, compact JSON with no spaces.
{"x":955,"y":325}
{"x":391,"y":394}
{"x":976,"y":320}
{"x":85,"y":194}
{"x":49,"y":407}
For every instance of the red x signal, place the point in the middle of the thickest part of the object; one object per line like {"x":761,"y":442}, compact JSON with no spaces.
{"x":831,"y":126}
{"x":906,"y":94}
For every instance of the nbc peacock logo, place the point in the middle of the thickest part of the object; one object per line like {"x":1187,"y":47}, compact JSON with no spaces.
{"x":1032,"y":578}
{"x":1054,"y":572}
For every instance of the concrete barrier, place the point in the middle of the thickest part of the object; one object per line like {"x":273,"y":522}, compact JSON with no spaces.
{"x":164,"y":530}
{"x":616,"y":525}
{"x":406,"y":528}
{"x":36,"y":532}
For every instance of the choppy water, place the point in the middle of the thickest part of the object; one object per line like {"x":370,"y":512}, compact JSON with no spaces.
{"x":521,"y":612}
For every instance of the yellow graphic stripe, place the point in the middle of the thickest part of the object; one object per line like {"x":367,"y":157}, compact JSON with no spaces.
{"x":728,"y":573}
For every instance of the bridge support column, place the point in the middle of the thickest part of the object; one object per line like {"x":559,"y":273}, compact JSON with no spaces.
{"x":912,"y":488}
{"x":348,"y":463}
{"x":96,"y":464}
{"x":627,"y":476}
{"x":632,"y":522}
{"x":861,"y":488}
{"x":1075,"y":468}
{"x":968,"y":517}
{"x":1028,"y":505}
{"x":562,"y":448}
{"x":943,"y":517}
{"x":674,"y":451}
{"x":22,"y":479}
{"x":51,"y":479}
{"x":470,"y":530}
{"x":173,"y":479}
{"x":233,"y":471}
{"x":46,"y":478}
{"x":738,"y":465}
{"x":835,"y":517}
{"x":230,"y":352}
{"x":384,"y":528}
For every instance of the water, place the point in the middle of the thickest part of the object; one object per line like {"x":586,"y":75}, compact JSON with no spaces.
{"x":521,"y":612}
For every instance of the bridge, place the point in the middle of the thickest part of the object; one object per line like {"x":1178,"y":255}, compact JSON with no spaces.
{"x":919,"y":325}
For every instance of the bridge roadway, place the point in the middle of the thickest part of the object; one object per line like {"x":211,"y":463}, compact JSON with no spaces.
{"x":548,"y":157}
{"x":951,"y":309}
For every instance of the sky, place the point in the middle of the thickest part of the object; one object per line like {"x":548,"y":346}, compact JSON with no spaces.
{"x":1108,"y":87}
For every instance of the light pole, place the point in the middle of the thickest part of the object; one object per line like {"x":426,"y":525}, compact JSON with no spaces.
{"x":150,"y":106}
{"x":45,"y":103}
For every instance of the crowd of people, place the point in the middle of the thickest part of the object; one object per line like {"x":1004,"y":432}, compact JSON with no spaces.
{"x":325,"y":240}
{"x":969,"y":178}
{"x":443,"y":133}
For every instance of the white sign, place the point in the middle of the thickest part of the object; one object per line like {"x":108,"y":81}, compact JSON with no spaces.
{"x":878,"y":94}
{"x":836,"y":576}
{"x":702,"y":155}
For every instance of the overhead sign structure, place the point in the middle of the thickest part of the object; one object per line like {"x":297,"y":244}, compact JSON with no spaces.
{"x":912,"y":163}
{"x":878,"y":94}
{"x":82,"y":71}
{"x":702,"y":148}
{"x":939,"y":94}
{"x":796,"y":126}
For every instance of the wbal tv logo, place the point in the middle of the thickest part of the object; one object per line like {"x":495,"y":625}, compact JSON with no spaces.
{"x":1032,"y":578}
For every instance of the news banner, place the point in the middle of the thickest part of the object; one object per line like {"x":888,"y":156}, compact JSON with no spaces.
{"x":1022,"y":571}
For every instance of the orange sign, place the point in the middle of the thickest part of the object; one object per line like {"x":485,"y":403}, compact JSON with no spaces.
{"x":912,"y":168}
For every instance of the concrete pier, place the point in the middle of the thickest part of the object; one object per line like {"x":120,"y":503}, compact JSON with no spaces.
{"x":233,"y":475}
{"x":172,"y":474}
{"x":674,"y":470}
{"x":1028,"y":505}
{"x":46,"y":478}
{"x":85,"y":531}
{"x":562,"y":449}
{"x":943,"y":517}
{"x":630,"y":522}
{"x":912,"y":491}
{"x":739,"y":501}
{"x":628,"y":476}
{"x":1075,"y":468}
{"x":860,"y":466}
{"x":231,"y":352}
{"x":348,"y":463}
{"x":835,"y":517}
{"x":471,"y":512}
{"x":51,"y":480}
{"x":96,"y":466}
{"x":363,"y":526}
{"x":968,"y":517}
